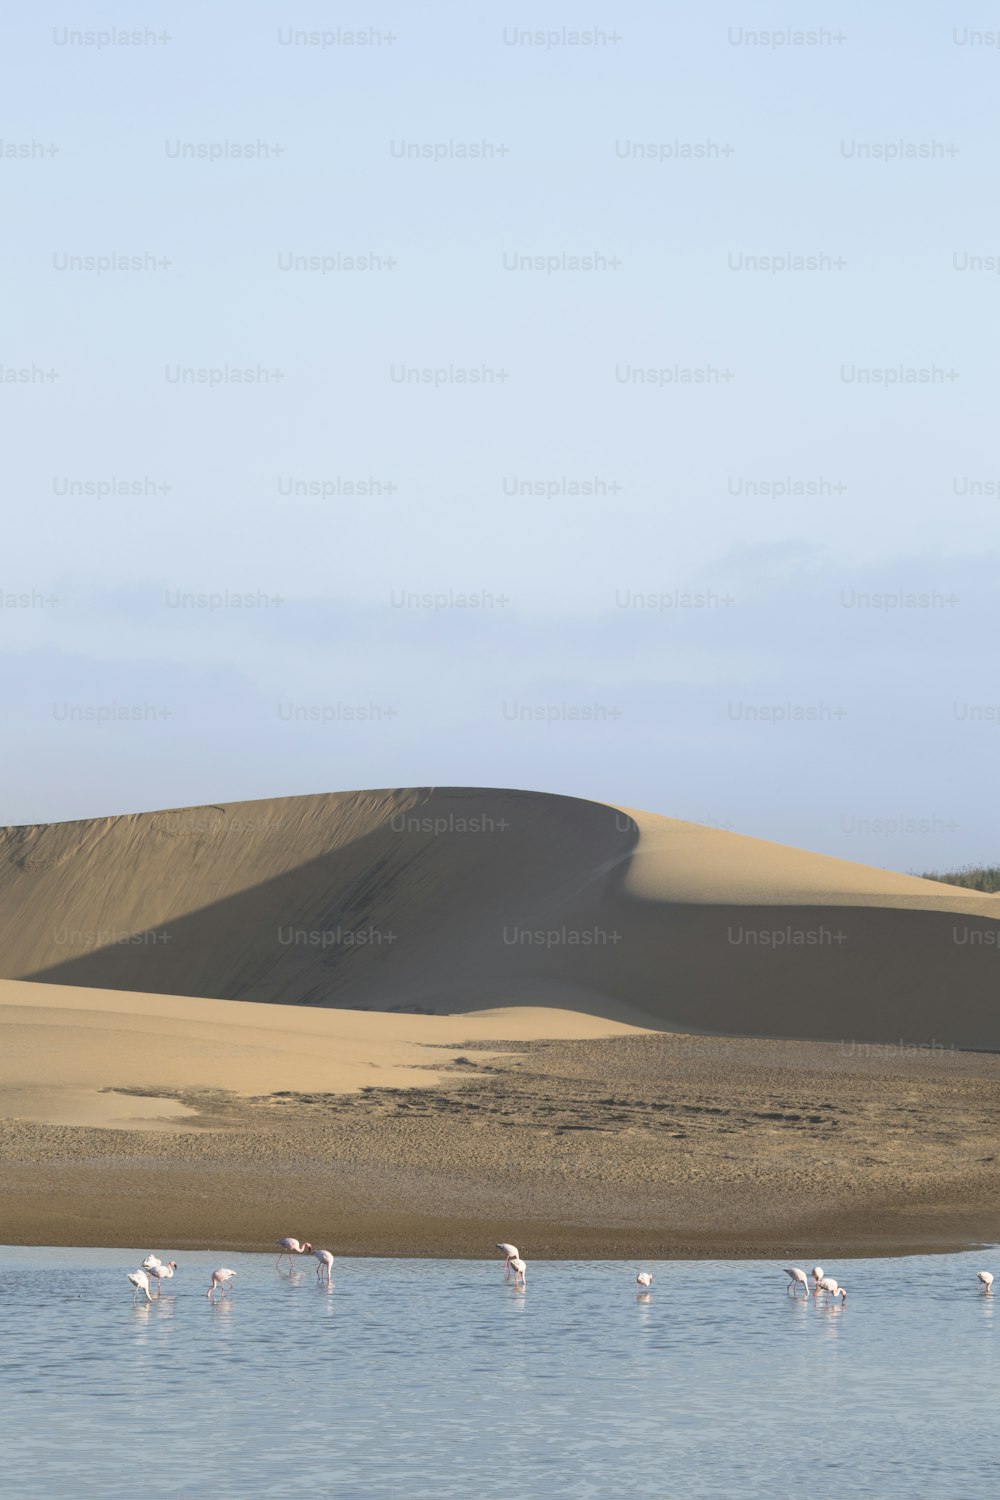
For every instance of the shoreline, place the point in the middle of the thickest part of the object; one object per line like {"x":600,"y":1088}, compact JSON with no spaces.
{"x":629,"y":1252}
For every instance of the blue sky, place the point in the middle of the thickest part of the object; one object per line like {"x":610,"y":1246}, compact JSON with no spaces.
{"x":835,"y":688}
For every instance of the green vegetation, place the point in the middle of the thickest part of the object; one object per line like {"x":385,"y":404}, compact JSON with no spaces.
{"x":973,"y":877}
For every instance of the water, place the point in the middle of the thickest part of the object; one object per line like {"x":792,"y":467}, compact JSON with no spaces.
{"x":438,"y":1379}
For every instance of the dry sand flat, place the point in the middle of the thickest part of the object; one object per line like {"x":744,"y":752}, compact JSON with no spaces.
{"x":55,"y":1037}
{"x":438,"y":1135}
{"x":443,"y":900}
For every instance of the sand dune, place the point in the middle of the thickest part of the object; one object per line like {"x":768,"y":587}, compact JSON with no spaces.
{"x":434,"y":1018}
{"x":451,"y":900}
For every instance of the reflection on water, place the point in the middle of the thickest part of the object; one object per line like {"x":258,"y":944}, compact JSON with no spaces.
{"x":439,"y":1379}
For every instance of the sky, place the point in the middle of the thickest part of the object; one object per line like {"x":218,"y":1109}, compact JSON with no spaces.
{"x":600,"y":402}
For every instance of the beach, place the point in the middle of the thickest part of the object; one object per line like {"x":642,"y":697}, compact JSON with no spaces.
{"x":131,"y":1119}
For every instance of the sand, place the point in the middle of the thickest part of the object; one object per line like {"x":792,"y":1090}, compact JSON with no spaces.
{"x":443,"y":900}
{"x":438,"y":1135}
{"x":419,"y":1021}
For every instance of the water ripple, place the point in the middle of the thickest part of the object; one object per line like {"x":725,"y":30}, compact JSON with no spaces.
{"x":437,"y":1378}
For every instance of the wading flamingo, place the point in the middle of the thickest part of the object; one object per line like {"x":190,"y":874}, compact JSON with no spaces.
{"x":520,"y":1269}
{"x":219,"y":1279}
{"x":151,"y":1262}
{"x":291,"y":1247}
{"x":510,"y":1253}
{"x":325,"y":1265}
{"x":817,"y":1275}
{"x":828,"y":1284}
{"x":140,"y":1283}
{"x":644,"y":1280}
{"x":797,"y":1278}
{"x":162,"y":1270}
{"x":986,"y":1277}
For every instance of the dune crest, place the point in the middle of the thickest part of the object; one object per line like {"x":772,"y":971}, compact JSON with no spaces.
{"x":449,"y":900}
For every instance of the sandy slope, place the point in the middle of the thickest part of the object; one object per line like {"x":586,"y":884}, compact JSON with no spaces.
{"x":60,"y":1041}
{"x":445,"y":900}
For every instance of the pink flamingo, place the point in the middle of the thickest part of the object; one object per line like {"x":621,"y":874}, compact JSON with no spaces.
{"x":644,"y":1281}
{"x":325,"y":1265}
{"x":511,"y":1252}
{"x":219,"y":1279}
{"x":796,"y":1278}
{"x":161,"y":1270}
{"x":140,"y":1283}
{"x":828,"y":1284}
{"x":519,"y":1268}
{"x":291,"y":1247}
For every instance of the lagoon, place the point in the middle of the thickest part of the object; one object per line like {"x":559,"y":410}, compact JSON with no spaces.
{"x":438,"y":1379}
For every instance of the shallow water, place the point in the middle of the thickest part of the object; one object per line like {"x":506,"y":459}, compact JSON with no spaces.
{"x":438,"y":1379}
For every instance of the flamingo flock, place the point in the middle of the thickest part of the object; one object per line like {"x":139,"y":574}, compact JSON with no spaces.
{"x":155,"y":1271}
{"x":160,"y":1270}
{"x":151,"y":1266}
{"x":820,"y":1283}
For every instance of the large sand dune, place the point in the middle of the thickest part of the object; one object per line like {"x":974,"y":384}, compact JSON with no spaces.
{"x":453,"y":900}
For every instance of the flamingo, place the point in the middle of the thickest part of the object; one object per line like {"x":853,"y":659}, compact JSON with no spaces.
{"x":797,"y":1278}
{"x":511,"y":1252}
{"x":140,"y":1283}
{"x":219,"y":1279}
{"x":520,"y":1269}
{"x":644,"y":1280}
{"x":325,"y":1264}
{"x":828,"y":1284}
{"x":986,"y":1277}
{"x":151,"y":1262}
{"x":161,"y":1270}
{"x":817,"y":1275}
{"x":291,"y":1247}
